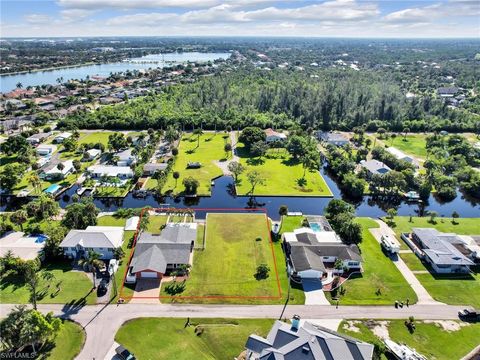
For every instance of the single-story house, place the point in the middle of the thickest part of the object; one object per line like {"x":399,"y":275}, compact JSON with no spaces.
{"x":36,"y":139}
{"x":159,"y":254}
{"x":92,"y":154}
{"x":101,"y":239}
{"x":375,"y":167}
{"x":46,"y":150}
{"x":333,"y":138}
{"x":25,"y":247}
{"x":125,"y":158}
{"x":55,"y":173}
{"x":447,"y":91}
{"x":272,"y":136}
{"x":440,"y":252}
{"x":122,"y":172}
{"x":305,"y":342}
{"x":152,"y":168}
{"x":312,"y":252}
{"x":400,"y":155}
{"x":62,"y":137}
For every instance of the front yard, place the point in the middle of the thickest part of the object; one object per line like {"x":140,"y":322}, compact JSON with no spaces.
{"x":167,"y":338}
{"x":380,"y":283}
{"x":284,"y":175}
{"x":439,"y":340}
{"x":235,"y":245}
{"x":68,"y":343}
{"x":448,"y":288}
{"x":207,"y":151}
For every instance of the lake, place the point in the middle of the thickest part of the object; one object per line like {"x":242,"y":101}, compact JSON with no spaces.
{"x":9,"y":82}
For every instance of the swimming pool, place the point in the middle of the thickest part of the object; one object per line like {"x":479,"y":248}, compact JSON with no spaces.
{"x":52,"y":189}
{"x":316,"y":227}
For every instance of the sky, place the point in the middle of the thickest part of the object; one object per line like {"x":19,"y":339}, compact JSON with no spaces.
{"x":306,"y":18}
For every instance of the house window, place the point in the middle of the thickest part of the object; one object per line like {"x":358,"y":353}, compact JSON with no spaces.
{"x":110,"y":249}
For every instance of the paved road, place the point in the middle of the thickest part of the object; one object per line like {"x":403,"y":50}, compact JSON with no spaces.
{"x":102,"y":322}
{"x":422,"y":294}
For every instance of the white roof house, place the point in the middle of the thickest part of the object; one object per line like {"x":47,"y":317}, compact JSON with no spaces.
{"x":25,"y":247}
{"x":93,"y":153}
{"x":375,"y":167}
{"x":272,"y":135}
{"x":400,"y":155}
{"x":44,"y":149}
{"x":110,"y":170}
{"x":125,"y":157}
{"x":62,"y":137}
{"x":56,"y":172}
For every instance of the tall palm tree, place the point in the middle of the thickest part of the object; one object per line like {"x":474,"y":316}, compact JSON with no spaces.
{"x":92,"y":262}
{"x":34,"y":180}
{"x":19,"y":85}
{"x":198,"y":132}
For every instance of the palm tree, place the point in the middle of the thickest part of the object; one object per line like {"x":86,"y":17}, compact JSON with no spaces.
{"x":19,"y":85}
{"x":198,"y":132}
{"x":34,"y":180}
{"x":92,"y":262}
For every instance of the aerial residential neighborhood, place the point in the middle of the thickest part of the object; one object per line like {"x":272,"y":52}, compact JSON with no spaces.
{"x":243,"y":180}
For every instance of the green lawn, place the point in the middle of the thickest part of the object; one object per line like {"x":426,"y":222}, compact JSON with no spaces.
{"x":228,"y":264}
{"x":112,"y":191}
{"x":429,"y":338}
{"x":221,"y":338}
{"x":68,"y":343}
{"x":283,"y":175}
{"x":412,"y":261}
{"x":414,"y":144}
{"x":155,"y":222}
{"x":447,"y":288}
{"x":75,"y":287}
{"x":290,"y":223}
{"x":209,"y":151}
{"x":93,"y":138}
{"x":379,"y":272}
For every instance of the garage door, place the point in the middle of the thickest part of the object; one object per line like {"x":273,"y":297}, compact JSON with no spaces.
{"x":148,"y":274}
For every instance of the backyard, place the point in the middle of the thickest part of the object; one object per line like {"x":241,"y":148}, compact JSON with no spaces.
{"x":206,"y":151}
{"x":283,"y":174}
{"x":203,"y":339}
{"x":235,"y":245}
{"x":440,"y":340}
{"x":380,"y":283}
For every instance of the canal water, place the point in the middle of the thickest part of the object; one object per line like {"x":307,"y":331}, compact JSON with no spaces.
{"x":9,"y":82}
{"x":223,"y":197}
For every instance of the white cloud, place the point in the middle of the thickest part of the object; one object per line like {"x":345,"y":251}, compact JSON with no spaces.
{"x":35,"y":19}
{"x":135,"y":4}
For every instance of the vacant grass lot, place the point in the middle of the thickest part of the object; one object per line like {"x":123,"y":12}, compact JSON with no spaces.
{"x":413,"y":144}
{"x":379,"y":273}
{"x":112,"y":191}
{"x":429,"y":338}
{"x":228,"y":264}
{"x":68,"y":343}
{"x":208,"y":150}
{"x":412,"y":261}
{"x":283,"y":175}
{"x":74,"y":287}
{"x":165,"y":338}
{"x":447,"y":288}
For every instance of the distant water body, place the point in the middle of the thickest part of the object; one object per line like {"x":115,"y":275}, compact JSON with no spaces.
{"x":9,"y":82}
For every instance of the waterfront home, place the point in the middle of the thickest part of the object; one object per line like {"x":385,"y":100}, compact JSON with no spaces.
{"x":159,"y":254}
{"x":36,"y":139}
{"x":125,"y":158}
{"x":272,"y":136}
{"x":53,"y":172}
{"x":332,"y":138}
{"x":314,"y":251}
{"x":62,"y":137}
{"x":439,"y":250}
{"x":45,"y":150}
{"x":122,"y":172}
{"x":400,"y":155}
{"x":305,"y":342}
{"x":375,"y":167}
{"x":151,"y":168}
{"x":100,"y":239}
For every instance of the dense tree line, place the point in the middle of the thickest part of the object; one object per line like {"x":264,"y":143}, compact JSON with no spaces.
{"x":335,"y":99}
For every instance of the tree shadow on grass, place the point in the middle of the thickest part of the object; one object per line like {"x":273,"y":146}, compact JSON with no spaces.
{"x":191,"y":151}
{"x":290,"y":162}
{"x":255,"y":161}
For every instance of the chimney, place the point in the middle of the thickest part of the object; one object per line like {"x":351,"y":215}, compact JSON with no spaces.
{"x":295,"y":323}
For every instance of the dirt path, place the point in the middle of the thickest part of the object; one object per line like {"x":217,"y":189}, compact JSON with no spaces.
{"x":224,"y":164}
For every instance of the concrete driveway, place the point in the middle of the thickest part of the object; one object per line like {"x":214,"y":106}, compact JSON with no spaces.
{"x":146,"y":291}
{"x":314,"y":294}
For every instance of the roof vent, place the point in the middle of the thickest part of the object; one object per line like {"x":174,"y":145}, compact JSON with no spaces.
{"x":305,"y":349}
{"x":295,"y":323}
